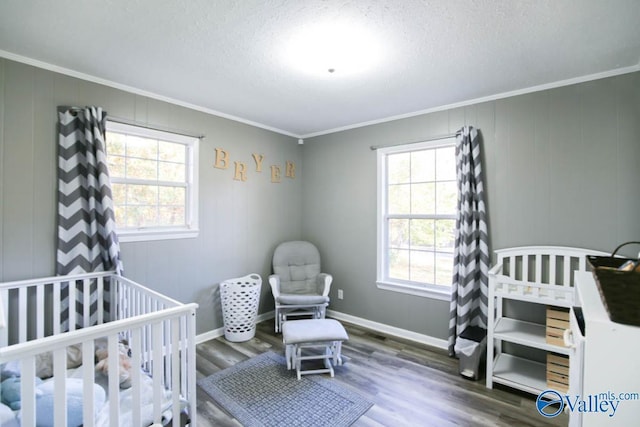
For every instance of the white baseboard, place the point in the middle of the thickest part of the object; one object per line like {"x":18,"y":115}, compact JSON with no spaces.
{"x":375,"y":326}
{"x":390,"y":330}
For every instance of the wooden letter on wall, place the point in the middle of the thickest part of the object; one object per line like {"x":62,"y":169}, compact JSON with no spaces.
{"x":222,"y":159}
{"x":258,"y":158}
{"x":241,"y":171}
{"x":291,"y":170}
{"x":275,"y":173}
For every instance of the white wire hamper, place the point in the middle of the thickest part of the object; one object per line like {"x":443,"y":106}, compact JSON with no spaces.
{"x":240,"y":298}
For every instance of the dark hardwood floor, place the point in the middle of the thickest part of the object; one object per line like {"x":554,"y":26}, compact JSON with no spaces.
{"x":410,"y":384}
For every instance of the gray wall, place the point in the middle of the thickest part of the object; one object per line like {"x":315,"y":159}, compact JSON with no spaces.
{"x":240,"y":222}
{"x":562,"y":167}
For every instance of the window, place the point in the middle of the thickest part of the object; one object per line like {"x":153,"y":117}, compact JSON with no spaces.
{"x":417,"y":198}
{"x":154,"y":182}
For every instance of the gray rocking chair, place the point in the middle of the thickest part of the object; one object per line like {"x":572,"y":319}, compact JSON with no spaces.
{"x":298,"y":286}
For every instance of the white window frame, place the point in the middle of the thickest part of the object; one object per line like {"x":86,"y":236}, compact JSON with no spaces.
{"x":190,"y":229}
{"x":383,"y":281}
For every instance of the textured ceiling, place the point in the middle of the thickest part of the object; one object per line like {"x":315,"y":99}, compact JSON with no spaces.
{"x":228,"y":57}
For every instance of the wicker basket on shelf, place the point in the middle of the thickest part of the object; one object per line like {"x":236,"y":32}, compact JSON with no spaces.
{"x":620,"y":290}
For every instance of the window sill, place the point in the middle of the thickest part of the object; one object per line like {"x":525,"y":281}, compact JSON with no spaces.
{"x":125,"y":236}
{"x":419,"y":291}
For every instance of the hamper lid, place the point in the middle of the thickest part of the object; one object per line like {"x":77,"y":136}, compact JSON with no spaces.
{"x":474,"y":333}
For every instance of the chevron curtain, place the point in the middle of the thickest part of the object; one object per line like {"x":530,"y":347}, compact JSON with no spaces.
{"x":469,"y":294}
{"x":87,"y":241}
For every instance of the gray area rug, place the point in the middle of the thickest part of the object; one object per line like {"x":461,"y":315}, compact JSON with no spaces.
{"x":261,"y":392}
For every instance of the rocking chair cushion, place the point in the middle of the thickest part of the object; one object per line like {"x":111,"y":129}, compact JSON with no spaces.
{"x":289,"y":299}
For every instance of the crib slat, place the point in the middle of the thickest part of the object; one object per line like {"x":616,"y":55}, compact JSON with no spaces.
{"x":190,"y":337}
{"x":124,"y":302}
{"x":86,"y":303}
{"x":136,"y":303}
{"x":4,"y":312}
{"x":88,"y":380}
{"x":113,"y":298}
{"x":168,"y":348}
{"x":175,"y":370}
{"x":40,"y":311}
{"x":538,"y":271}
{"x":183,"y":351}
{"x":22,"y":314}
{"x":136,"y":342}
{"x":28,"y":391}
{"x":147,"y":336}
{"x":100,"y":299}
{"x":114,"y":380}
{"x":60,"y":387}
{"x":56,"y":308}
{"x":158,"y":369}
{"x":72,"y":305}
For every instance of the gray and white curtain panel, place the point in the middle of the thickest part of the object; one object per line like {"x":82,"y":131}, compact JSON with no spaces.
{"x":87,"y":240}
{"x":469,"y":294}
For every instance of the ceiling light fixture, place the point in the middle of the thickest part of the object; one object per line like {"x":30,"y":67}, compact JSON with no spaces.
{"x":337,"y":47}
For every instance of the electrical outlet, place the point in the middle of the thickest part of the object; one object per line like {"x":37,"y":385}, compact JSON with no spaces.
{"x":340,"y":294}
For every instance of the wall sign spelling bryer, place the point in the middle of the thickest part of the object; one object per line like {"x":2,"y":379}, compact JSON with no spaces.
{"x":240,"y":174}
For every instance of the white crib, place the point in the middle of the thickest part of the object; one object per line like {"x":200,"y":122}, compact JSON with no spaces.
{"x":160,"y":333}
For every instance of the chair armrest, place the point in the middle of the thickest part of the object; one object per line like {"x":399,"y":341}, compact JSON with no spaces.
{"x":274,"y":281}
{"x":323,"y":282}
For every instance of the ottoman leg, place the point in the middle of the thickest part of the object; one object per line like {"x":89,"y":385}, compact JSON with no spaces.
{"x":298,"y":361}
{"x":288,"y":356}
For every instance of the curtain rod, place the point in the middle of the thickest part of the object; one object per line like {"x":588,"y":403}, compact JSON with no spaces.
{"x":154,"y":127}
{"x":435,"y":138}
{"x":63,"y":108}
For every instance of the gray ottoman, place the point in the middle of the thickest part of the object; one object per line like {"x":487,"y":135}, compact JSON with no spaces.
{"x":326,"y":334}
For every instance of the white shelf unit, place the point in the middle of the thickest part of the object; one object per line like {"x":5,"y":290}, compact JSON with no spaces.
{"x":536,"y":275}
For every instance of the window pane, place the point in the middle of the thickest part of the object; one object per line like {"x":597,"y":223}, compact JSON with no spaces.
{"x":120,"y":215}
{"x":142,"y":194}
{"x":398,"y":165}
{"x":116,"y":165}
{"x":422,"y":267}
{"x":422,"y":234}
{"x":423,"y":199}
{"x":141,"y":216}
{"x":143,"y":148}
{"x":399,"y":233}
{"x":172,"y":152}
{"x":423,"y":166}
{"x":444,"y":269}
{"x":399,"y":198}
{"x":445,"y":235}
{"x":171,"y":215}
{"x":172,"y":196}
{"x":142,"y":169}
{"x":421,"y":187}
{"x":119,"y":194}
{"x":446,"y":197}
{"x":171,"y":172}
{"x":152,"y":189}
{"x":115,"y":143}
{"x":446,"y":163}
{"x":399,"y":264}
